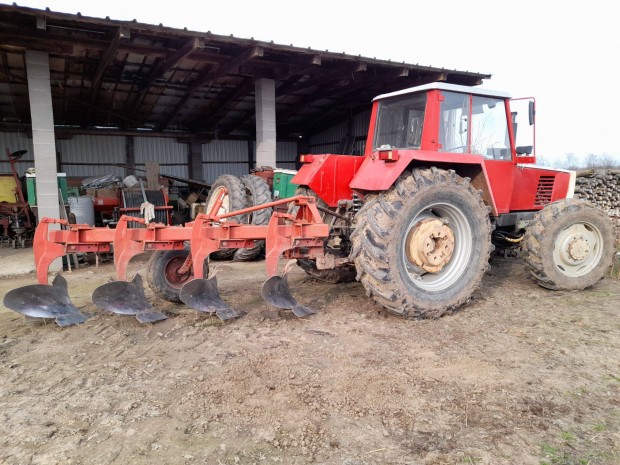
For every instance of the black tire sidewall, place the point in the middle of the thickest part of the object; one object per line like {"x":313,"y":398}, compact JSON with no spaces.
{"x":547,"y":246}
{"x":469,"y":206}
{"x":156,"y":275}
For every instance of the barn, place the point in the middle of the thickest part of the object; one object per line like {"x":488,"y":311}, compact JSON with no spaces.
{"x":94,"y":96}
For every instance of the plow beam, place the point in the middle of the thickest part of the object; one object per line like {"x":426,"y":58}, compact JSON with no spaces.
{"x":50,"y":245}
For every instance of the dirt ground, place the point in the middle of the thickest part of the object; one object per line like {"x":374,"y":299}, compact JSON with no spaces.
{"x":520,"y":376}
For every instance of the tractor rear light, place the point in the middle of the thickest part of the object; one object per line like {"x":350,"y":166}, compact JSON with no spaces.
{"x":389,"y":155}
{"x":306,"y":158}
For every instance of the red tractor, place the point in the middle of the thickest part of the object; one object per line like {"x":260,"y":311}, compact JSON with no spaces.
{"x":442,"y":183}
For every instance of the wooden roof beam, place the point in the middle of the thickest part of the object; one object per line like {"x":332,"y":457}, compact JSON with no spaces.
{"x":173,"y":59}
{"x":219,"y":109}
{"x":330,"y":76}
{"x":166,"y":65}
{"x":208,"y":78}
{"x":121,"y":33}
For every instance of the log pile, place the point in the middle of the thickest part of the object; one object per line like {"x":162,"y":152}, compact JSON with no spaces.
{"x":601,"y":187}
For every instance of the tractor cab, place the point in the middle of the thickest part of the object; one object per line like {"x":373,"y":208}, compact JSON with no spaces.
{"x":467,"y":129}
{"x":452,"y":119}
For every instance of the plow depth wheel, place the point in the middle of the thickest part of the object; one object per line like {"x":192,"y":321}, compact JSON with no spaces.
{"x":422,"y":248}
{"x":162,"y":273}
{"x":569,"y":245}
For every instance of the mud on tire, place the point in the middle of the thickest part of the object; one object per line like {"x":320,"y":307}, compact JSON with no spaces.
{"x":569,"y":245}
{"x":161,"y":273}
{"x":235,"y":200}
{"x":257,"y":193}
{"x":387,"y":219}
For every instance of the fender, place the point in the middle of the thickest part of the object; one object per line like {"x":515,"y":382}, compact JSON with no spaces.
{"x":329,"y":176}
{"x":379,"y":172}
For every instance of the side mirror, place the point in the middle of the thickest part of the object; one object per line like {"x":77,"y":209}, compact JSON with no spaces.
{"x":532,"y":112}
{"x":523,"y":150}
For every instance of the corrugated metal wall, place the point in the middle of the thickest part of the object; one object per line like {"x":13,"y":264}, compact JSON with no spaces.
{"x":231,"y":157}
{"x":286,"y":154}
{"x":329,"y":141}
{"x":15,"y":141}
{"x":92,"y":155}
{"x":224,"y":157}
{"x":171,"y":155}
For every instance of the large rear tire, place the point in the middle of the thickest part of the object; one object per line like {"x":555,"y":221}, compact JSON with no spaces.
{"x":162,"y":276}
{"x":236,"y":199}
{"x":569,"y":245}
{"x":422,"y":248}
{"x":257,"y":193}
{"x":341,"y":274}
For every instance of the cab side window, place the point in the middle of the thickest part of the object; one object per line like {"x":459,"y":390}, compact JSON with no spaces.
{"x":489,"y":128}
{"x":453,"y":124}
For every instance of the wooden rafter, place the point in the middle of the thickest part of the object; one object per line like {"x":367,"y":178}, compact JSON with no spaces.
{"x":208,"y":78}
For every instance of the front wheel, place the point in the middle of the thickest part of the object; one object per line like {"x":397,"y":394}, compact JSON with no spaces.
{"x":422,"y":248}
{"x":569,"y":245}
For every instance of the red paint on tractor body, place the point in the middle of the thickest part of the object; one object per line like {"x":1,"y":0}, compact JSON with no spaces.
{"x":512,"y":183}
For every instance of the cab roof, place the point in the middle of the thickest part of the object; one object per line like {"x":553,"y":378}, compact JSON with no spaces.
{"x":446,"y":87}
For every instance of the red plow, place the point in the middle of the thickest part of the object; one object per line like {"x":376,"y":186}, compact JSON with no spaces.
{"x":298,"y":235}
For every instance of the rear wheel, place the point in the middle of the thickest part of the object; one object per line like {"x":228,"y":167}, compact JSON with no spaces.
{"x":569,"y":245}
{"x":162,"y":273}
{"x":422,"y":248}
{"x":257,"y":193}
{"x":235,"y":199}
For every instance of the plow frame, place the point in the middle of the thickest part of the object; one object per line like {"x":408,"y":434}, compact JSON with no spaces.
{"x":297,"y":235}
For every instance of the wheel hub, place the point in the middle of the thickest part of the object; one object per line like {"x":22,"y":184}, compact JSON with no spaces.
{"x":430,"y":245}
{"x":172,"y":271}
{"x":578,"y":248}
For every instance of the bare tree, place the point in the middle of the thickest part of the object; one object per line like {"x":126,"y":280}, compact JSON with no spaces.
{"x":571,"y":162}
{"x":593,"y":161}
{"x":608,"y":161}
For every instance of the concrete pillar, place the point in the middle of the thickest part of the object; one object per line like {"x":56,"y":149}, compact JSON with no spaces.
{"x":43,"y":140}
{"x":265,"y":102}
{"x":195,"y":161}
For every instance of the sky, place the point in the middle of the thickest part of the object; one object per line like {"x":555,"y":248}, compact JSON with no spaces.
{"x":565,"y":54}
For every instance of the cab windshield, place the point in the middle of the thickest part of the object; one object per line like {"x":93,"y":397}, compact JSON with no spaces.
{"x":399,"y":122}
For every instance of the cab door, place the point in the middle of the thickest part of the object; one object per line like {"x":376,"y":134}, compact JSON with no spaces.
{"x":490,"y":137}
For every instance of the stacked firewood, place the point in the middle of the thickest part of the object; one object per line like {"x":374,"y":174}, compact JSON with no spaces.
{"x":601,"y":187}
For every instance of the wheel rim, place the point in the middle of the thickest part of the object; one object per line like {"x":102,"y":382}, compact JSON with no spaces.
{"x":225,"y":208}
{"x":171,"y":272}
{"x":578,"y":249}
{"x":456,"y":257}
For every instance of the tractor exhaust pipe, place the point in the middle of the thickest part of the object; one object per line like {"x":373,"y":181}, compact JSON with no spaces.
{"x":45,"y":301}
{"x":127,"y":298}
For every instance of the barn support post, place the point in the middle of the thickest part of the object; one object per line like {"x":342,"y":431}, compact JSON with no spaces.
{"x":195,"y":161}
{"x":43,"y":137}
{"x":130,"y":156}
{"x":265,"y":102}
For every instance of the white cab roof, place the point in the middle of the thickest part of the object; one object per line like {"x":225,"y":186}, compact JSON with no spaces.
{"x":446,"y":87}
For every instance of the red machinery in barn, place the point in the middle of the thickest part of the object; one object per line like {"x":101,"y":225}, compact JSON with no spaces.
{"x":16,"y":219}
